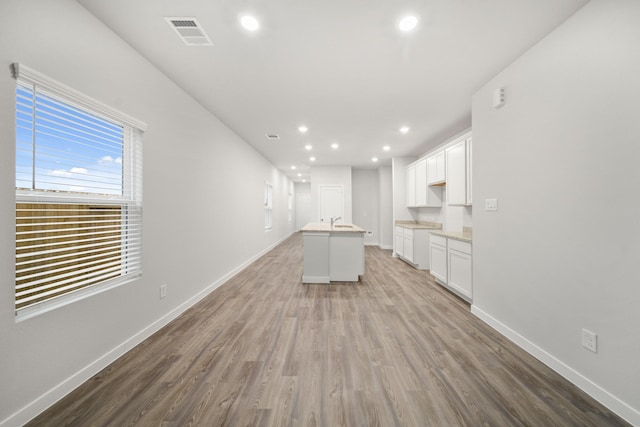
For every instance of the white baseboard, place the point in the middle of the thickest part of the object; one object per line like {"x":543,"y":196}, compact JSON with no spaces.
{"x":39,"y":405}
{"x":387,"y":247}
{"x":616,"y":405}
{"x":371,"y":244}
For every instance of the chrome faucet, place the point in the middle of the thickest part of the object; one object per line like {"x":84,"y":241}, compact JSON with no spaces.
{"x":334,"y":219}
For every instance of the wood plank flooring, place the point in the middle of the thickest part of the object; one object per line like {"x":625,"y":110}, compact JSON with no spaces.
{"x":264,"y":349}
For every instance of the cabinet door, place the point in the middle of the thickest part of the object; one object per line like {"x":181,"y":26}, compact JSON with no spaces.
{"x":411,"y":185}
{"x":469,"y":170}
{"x":435,"y":168}
{"x":457,"y":174}
{"x":399,"y":241}
{"x":459,"y":272}
{"x":408,"y":245}
{"x":438,"y":261}
{"x":421,"y":183}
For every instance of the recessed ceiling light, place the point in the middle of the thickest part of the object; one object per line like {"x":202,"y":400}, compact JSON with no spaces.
{"x":308,"y":147}
{"x":334,"y":146}
{"x":304,"y":180}
{"x":374,"y":159}
{"x":312,"y":159}
{"x":249,"y":23}
{"x":386,"y":148}
{"x":293,"y":168}
{"x":408,"y":23}
{"x":303,"y":129}
{"x":404,"y":129}
{"x":299,"y":174}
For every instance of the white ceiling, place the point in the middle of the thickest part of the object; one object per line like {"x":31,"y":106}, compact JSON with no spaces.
{"x":340,"y":67}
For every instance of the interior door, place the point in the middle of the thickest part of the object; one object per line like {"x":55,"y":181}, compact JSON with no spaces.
{"x":331,"y":202}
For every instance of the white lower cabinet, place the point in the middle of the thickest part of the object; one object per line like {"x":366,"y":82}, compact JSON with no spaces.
{"x":451,"y":265}
{"x":399,"y":241}
{"x":412,"y":245}
{"x":438,"y":255}
{"x":459,"y":267}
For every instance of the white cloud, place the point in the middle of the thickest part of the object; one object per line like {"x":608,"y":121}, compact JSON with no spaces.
{"x":105,"y":160}
{"x":70,"y":173}
{"x":60,"y":172}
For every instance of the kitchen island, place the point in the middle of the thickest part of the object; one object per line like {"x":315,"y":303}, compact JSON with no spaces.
{"x":332,"y":253}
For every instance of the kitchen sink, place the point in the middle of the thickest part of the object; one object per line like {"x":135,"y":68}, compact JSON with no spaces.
{"x":343,"y":226}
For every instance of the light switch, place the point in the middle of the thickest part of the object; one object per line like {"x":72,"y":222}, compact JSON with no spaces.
{"x":490,"y":204}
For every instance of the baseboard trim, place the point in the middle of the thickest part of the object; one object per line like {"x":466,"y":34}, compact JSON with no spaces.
{"x":616,"y":405}
{"x":39,"y":405}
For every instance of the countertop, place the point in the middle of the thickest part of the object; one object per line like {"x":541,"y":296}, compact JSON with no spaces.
{"x":420,"y":225}
{"x":436,"y":228}
{"x":463,"y":236}
{"x":337,"y":228}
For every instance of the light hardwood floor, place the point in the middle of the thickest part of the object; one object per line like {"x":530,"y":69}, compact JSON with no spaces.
{"x":266,"y":350}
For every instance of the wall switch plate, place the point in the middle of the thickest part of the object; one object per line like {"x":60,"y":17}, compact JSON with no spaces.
{"x":490,"y":204}
{"x":163,"y":291}
{"x":590,"y":340}
{"x":498,"y":98}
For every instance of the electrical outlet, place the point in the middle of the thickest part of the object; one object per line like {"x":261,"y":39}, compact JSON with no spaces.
{"x":590,"y":340}
{"x":163,"y":291}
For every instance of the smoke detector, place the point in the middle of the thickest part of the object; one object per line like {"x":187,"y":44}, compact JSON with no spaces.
{"x":189,"y":30}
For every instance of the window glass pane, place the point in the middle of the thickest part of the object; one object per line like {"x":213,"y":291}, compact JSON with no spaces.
{"x":68,"y":150}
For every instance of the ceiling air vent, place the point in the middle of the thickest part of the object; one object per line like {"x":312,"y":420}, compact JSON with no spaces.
{"x":190,"y":31}
{"x":272,"y":136}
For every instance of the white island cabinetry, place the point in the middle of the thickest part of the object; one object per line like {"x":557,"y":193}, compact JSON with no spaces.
{"x":332,"y":253}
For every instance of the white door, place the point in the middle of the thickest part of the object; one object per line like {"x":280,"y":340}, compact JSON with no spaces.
{"x":331,"y":202}
{"x":303,"y":209}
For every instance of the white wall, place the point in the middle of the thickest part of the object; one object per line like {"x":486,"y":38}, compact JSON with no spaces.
{"x":331,"y":175}
{"x":203,"y":213}
{"x":303,"y":204}
{"x":561,"y":253}
{"x":398,"y":171}
{"x":385,"y":207}
{"x":365,"y":202}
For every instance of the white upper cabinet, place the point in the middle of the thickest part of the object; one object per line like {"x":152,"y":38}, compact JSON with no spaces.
{"x":469,"y":174}
{"x":421,"y":183}
{"x":436,"y":169}
{"x":458,"y":173}
{"x":410,"y":185}
{"x":419,"y":194}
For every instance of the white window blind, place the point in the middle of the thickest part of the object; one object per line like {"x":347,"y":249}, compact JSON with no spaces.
{"x":78,"y":195}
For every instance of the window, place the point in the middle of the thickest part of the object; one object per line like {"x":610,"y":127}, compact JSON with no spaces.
{"x":268,"y":206}
{"x":78,"y":195}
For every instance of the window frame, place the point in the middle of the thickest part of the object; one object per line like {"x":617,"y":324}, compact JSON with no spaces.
{"x":129,"y":201}
{"x":268,"y":206}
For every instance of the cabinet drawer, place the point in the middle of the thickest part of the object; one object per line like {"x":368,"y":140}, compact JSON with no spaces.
{"x":439,"y":240}
{"x":459,"y":246}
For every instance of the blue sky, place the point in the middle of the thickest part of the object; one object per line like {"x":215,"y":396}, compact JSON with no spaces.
{"x":75,"y":151}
